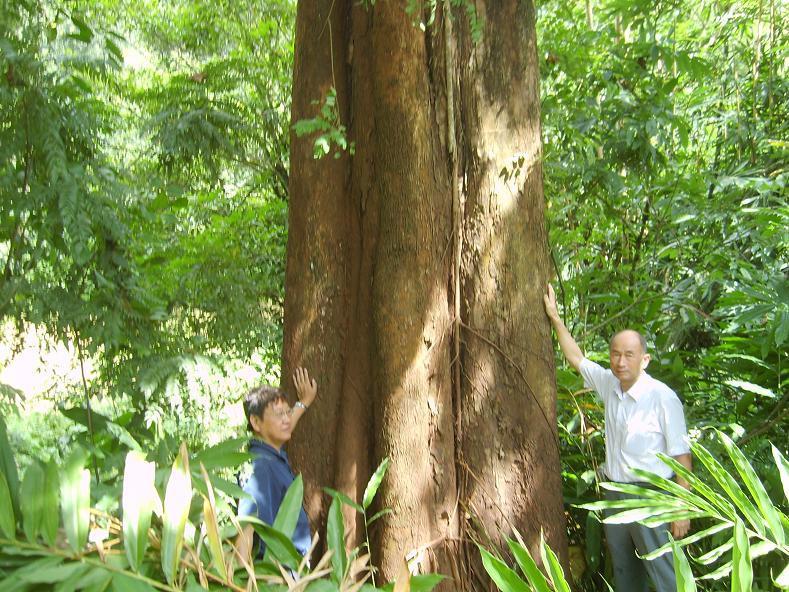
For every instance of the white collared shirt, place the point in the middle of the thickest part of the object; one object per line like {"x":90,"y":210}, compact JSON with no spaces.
{"x":639,"y":423}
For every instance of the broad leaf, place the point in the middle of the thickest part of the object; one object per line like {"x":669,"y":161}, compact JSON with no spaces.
{"x":177,"y":500}
{"x":742,"y":571}
{"x":505,"y":578}
{"x":374,"y":483}
{"x":335,"y":535}
{"x":75,"y":499}
{"x":139,"y":499}
{"x":33,"y":501}
{"x":529,"y":566}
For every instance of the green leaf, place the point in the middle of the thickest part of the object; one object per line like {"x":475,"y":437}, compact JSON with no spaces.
{"x":7,"y":518}
{"x":226,"y":454}
{"x":344,"y":499}
{"x":289,"y":510}
{"x":126,"y":583}
{"x":417,"y":583}
{"x":281,"y":546}
{"x":177,"y":499}
{"x":506,"y":579}
{"x":782,"y":581}
{"x":85,"y":32}
{"x":52,"y":574}
{"x":32,"y":501}
{"x":751,"y":388}
{"x":139,"y":500}
{"x":742,"y":571}
{"x":374,"y":483}
{"x":685,"y":580}
{"x":212,"y":527}
{"x":756,"y":489}
{"x":529,"y":566}
{"x":731,"y":488}
{"x":335,"y":535}
{"x":555,"y":570}
{"x":8,"y":467}
{"x":51,"y":494}
{"x":379,"y":514}
{"x":75,"y":499}
{"x":783,"y":470}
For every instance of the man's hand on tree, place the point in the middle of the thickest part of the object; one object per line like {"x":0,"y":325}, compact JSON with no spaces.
{"x":679,"y":528}
{"x":550,"y":303}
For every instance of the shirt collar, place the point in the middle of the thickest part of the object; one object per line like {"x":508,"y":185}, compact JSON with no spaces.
{"x":257,"y":443}
{"x":638,"y":389}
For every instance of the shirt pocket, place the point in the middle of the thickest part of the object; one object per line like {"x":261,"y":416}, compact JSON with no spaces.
{"x":644,"y":435}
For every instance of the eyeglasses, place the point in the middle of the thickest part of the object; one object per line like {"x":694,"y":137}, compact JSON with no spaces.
{"x":282,"y":414}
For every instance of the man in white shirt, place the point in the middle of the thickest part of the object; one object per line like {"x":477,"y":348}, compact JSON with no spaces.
{"x":642,"y":418}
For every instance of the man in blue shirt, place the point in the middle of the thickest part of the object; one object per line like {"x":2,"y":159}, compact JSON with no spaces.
{"x":271,"y":421}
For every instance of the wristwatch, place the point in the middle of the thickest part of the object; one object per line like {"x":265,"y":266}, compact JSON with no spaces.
{"x":299,"y":404}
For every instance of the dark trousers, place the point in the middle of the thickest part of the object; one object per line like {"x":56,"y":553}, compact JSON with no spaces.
{"x":626,"y":542}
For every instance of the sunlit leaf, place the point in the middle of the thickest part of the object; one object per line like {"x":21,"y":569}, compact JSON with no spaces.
{"x":212,"y":527}
{"x":742,"y":571}
{"x":374,"y":483}
{"x":506,"y":579}
{"x":335,"y":535}
{"x":139,"y":499}
{"x":685,"y":580}
{"x":50,"y":517}
{"x":529,"y":566}
{"x":32,"y":501}
{"x":177,"y":499}
{"x":75,"y":499}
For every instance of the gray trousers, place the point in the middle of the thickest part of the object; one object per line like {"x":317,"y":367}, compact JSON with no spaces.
{"x":631,"y":573}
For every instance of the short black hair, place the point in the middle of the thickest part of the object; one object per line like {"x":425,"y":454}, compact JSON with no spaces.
{"x":258,"y":399}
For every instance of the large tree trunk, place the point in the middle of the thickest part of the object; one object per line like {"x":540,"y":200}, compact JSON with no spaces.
{"x":414,"y":279}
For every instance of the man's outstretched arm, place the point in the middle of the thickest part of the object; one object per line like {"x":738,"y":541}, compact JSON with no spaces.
{"x":569,"y":347}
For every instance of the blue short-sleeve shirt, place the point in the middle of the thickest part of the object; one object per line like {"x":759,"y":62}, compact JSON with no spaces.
{"x":271,"y":476}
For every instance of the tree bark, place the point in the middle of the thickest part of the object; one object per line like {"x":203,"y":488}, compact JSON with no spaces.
{"x":428,"y":242}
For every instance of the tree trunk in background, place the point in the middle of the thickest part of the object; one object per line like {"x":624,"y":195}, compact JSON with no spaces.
{"x":414,"y":281}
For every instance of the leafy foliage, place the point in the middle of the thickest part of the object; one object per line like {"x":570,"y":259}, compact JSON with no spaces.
{"x":181,"y":555}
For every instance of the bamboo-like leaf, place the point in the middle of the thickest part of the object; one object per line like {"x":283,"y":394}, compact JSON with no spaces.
{"x":374,"y":483}
{"x":528,"y":566}
{"x":742,"y":572}
{"x":75,"y":499}
{"x":714,"y":554}
{"x":711,"y":499}
{"x":783,"y":470}
{"x":506,"y":579}
{"x":669,"y":517}
{"x":379,"y":515}
{"x":8,"y":468}
{"x":693,"y":538}
{"x":344,"y":499}
{"x":7,"y":518}
{"x":212,"y":527}
{"x":32,"y":501}
{"x":732,"y":489}
{"x":126,"y":583}
{"x":282,"y":548}
{"x":643,"y":514}
{"x":756,"y":489}
{"x":139,"y":499}
{"x":177,"y":500}
{"x":288,"y":514}
{"x":685,"y":580}
{"x":782,"y":581}
{"x":51,"y":494}
{"x":555,"y":570}
{"x":335,"y":535}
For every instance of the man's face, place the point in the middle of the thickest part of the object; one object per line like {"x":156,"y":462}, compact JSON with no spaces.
{"x":627,"y":358}
{"x":274,"y":427}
